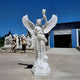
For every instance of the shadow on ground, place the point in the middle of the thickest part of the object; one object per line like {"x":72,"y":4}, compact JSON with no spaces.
{"x":29,"y":66}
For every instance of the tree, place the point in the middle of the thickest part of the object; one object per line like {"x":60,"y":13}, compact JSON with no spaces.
{"x":0,"y":37}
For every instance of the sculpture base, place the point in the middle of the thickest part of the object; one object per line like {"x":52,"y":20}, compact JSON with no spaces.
{"x":41,"y":68}
{"x":7,"y":47}
{"x":41,"y":72}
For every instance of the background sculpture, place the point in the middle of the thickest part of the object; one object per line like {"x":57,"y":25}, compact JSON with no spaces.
{"x":8,"y":41}
{"x":41,"y":67}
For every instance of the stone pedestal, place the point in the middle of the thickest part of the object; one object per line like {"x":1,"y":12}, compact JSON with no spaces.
{"x":41,"y":68}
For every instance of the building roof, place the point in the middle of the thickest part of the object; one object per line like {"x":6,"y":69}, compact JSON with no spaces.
{"x":69,"y":25}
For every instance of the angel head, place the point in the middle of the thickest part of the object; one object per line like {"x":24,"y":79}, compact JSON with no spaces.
{"x":38,"y":22}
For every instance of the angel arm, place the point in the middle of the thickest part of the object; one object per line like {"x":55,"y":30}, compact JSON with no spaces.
{"x":44,"y":17}
{"x":28,"y":24}
{"x":45,"y":25}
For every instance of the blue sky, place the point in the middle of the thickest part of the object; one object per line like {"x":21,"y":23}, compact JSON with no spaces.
{"x":12,"y":11}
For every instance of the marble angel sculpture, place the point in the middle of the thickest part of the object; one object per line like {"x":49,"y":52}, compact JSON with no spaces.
{"x":37,"y":32}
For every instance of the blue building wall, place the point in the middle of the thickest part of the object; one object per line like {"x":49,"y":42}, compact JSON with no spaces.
{"x":79,"y":36}
{"x":52,"y":38}
{"x":74,"y":38}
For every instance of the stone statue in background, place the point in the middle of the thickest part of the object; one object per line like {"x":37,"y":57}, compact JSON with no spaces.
{"x":8,"y":41}
{"x":41,"y":67}
{"x":29,"y":42}
{"x":24,"y":43}
{"x":14,"y":45}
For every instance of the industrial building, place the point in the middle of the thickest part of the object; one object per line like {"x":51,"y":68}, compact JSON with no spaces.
{"x":65,"y":35}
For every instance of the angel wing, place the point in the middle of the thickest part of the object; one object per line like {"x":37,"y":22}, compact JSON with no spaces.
{"x":50,"y":24}
{"x":28,"y":24}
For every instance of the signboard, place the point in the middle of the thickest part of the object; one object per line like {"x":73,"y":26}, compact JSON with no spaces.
{"x":62,"y":32}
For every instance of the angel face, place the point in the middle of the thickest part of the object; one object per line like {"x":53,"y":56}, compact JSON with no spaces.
{"x":38,"y":22}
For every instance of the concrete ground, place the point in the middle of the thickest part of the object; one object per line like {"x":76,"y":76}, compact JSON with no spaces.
{"x":64,"y":63}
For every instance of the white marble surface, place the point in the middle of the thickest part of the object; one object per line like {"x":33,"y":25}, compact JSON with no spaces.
{"x":37,"y":31}
{"x":8,"y":41}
